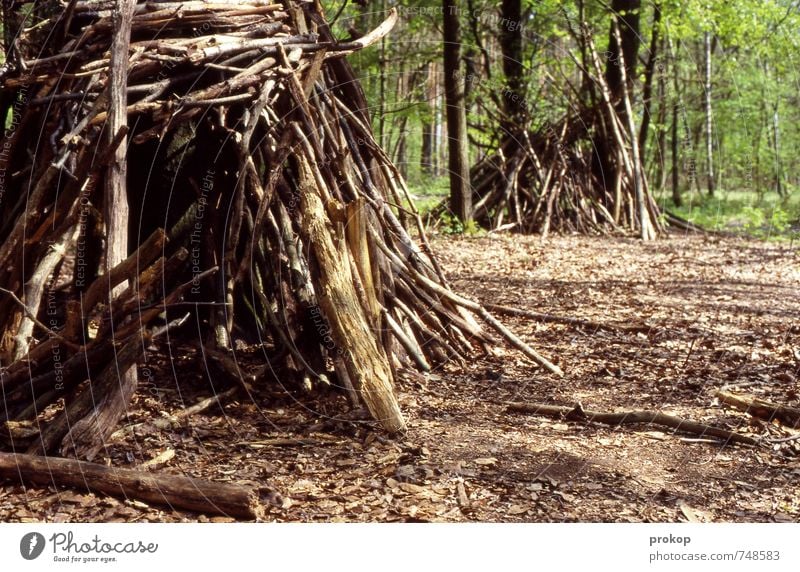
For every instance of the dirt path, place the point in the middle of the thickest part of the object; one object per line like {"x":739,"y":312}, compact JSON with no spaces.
{"x":725,"y":313}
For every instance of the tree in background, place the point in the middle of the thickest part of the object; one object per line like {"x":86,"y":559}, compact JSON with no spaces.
{"x":455,"y":102}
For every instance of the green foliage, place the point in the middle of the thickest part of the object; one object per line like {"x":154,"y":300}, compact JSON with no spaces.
{"x":449,"y":224}
{"x":767,"y":217}
{"x":428,"y":193}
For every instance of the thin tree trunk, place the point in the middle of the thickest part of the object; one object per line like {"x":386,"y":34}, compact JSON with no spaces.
{"x":647,"y":231}
{"x":428,"y":133}
{"x":707,"y":48}
{"x":676,"y":189}
{"x":661,"y":141}
{"x":458,"y":153}
{"x":514,"y":101}
{"x":776,"y":140}
{"x":647,"y":90}
{"x":676,"y":109}
{"x":777,"y":148}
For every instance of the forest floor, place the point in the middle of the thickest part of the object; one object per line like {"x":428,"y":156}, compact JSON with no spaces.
{"x":724,"y":313}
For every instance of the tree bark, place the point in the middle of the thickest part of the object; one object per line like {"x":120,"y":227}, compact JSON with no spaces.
{"x":458,"y":153}
{"x":171,"y":490}
{"x":514,"y":95}
{"x":366,"y":364}
{"x":116,"y":191}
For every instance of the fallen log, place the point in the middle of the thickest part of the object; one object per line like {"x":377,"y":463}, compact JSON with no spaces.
{"x":175,"y":491}
{"x":766,"y":410}
{"x":579,"y":414}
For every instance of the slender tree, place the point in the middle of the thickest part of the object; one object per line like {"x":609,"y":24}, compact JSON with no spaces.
{"x":649,"y":73}
{"x":707,"y":51}
{"x":514,"y":100}
{"x":676,"y":118}
{"x":458,"y":152}
{"x":428,"y":124}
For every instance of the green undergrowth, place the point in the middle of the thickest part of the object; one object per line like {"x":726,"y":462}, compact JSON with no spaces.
{"x":767,"y":216}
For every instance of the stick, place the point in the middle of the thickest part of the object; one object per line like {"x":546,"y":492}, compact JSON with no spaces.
{"x":167,"y":422}
{"x":174,"y":491}
{"x":30,"y":315}
{"x":577,"y":413}
{"x":766,"y":410}
{"x":492,"y":321}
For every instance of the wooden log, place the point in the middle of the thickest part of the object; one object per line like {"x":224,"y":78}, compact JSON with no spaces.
{"x":35,"y":289}
{"x":366,"y":364}
{"x":766,"y":410}
{"x":577,"y":413}
{"x":60,"y":378}
{"x":125,"y":270}
{"x":104,"y":403}
{"x":174,"y":491}
{"x":85,"y":417}
{"x":116,"y":192}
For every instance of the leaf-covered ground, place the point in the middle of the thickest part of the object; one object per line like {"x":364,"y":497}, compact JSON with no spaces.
{"x":722,"y":312}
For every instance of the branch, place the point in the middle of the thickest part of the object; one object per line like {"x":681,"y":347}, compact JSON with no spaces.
{"x":577,"y":413}
{"x":33,"y":318}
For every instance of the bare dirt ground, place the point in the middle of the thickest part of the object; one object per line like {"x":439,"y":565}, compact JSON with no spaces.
{"x":724,"y":314}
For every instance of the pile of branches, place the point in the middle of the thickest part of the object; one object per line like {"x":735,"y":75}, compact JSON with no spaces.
{"x":582,"y":173}
{"x":260,"y":207}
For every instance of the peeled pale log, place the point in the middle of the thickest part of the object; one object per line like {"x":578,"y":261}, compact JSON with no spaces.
{"x":366,"y":365}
